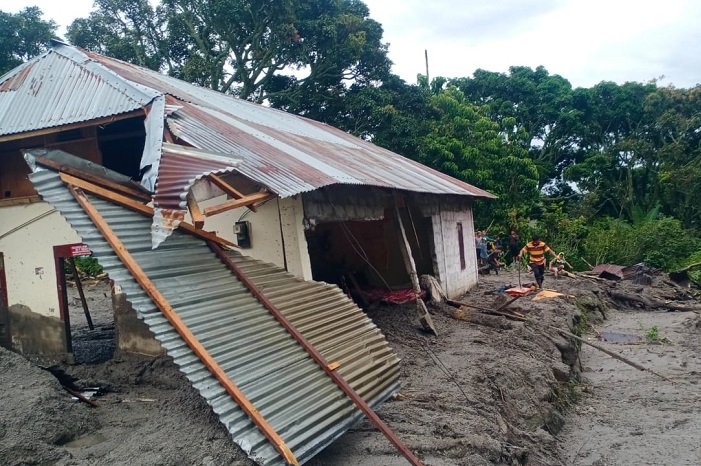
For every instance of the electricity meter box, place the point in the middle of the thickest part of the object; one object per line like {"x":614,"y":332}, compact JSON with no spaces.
{"x":242,"y":232}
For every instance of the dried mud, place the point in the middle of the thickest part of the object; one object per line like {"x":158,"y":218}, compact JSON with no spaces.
{"x":494,"y":392}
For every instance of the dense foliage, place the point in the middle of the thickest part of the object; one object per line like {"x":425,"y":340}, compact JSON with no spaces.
{"x":22,"y":36}
{"x":610,"y":173}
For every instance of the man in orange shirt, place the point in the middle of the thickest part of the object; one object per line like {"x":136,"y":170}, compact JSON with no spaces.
{"x":536,"y":250}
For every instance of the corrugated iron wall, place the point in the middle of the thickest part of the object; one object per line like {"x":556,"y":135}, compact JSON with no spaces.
{"x":293,"y":393}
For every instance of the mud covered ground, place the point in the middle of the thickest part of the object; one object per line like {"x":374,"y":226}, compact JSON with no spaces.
{"x":493,"y":391}
{"x":627,"y":416}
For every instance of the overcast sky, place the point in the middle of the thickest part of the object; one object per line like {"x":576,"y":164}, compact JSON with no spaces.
{"x":585,"y":41}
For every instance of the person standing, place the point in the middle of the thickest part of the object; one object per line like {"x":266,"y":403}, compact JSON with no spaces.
{"x":514,"y":244}
{"x":536,"y":250}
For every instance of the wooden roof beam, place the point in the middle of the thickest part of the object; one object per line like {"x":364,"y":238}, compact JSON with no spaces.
{"x":245,"y":201}
{"x":228,"y":189}
{"x":137,"y":206}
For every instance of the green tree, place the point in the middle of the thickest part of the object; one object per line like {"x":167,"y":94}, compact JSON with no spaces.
{"x":23,"y":35}
{"x":301,"y":53}
{"x":463,"y":142}
{"x":529,"y":107}
{"x":130,"y":30}
{"x":677,"y":124}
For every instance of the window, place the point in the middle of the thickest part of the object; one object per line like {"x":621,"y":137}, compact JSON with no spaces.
{"x":461,"y":245}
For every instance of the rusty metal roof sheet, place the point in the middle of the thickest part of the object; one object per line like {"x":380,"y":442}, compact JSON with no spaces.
{"x":55,"y":89}
{"x":609,"y":269}
{"x":287,"y":153}
{"x":180,"y":168}
{"x":277,"y":376}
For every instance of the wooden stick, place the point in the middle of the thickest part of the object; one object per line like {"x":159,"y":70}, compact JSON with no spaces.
{"x":192,"y":342}
{"x":139,"y":207}
{"x":236,"y":203}
{"x":79,"y":285}
{"x":195,"y":213}
{"x":424,"y":316}
{"x":81,"y":397}
{"x":329,"y":368}
{"x":572,"y":335}
{"x":230,"y":190}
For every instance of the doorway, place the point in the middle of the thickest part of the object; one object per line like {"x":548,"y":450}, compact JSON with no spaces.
{"x":85,"y":304}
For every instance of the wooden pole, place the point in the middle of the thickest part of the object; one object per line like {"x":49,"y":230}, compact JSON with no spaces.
{"x":192,"y":342}
{"x":79,"y":286}
{"x":424,"y":316}
{"x":316,"y":356}
{"x":236,"y":203}
{"x":195,"y":212}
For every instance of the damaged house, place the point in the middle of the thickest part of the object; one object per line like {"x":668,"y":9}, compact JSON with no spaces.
{"x":197,"y":203}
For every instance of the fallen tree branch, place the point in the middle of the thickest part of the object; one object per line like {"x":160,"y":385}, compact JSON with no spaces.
{"x":650,"y":302}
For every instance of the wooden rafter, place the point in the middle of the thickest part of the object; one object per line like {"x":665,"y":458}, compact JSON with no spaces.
{"x":228,"y":189}
{"x":136,"y":206}
{"x":236,"y":203}
{"x":190,"y":339}
{"x":195,"y":212}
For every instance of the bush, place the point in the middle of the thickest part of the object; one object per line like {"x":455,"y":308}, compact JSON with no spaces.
{"x":662,"y":243}
{"x":88,"y":265}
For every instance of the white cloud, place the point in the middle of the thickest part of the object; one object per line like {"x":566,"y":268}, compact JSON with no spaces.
{"x":585,"y":41}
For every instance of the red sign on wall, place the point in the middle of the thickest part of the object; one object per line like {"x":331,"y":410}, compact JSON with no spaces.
{"x":79,"y":250}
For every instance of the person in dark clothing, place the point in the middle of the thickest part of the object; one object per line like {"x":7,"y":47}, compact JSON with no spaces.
{"x":514,"y":245}
{"x":493,"y":261}
{"x":536,"y":250}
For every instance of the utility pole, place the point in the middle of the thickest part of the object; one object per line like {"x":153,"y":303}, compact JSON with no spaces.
{"x":428,"y":80}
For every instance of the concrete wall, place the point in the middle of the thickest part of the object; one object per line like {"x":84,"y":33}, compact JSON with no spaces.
{"x":33,"y":316}
{"x":285,"y":247}
{"x":455,"y":280}
{"x":29,"y":257}
{"x":446,"y":211}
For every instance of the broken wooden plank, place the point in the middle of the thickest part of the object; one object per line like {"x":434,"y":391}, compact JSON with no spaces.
{"x":236,"y":203}
{"x":424,"y":316}
{"x":131,"y":191}
{"x":172,"y":316}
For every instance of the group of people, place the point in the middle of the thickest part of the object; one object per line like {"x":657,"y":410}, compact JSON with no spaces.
{"x":490,"y":250}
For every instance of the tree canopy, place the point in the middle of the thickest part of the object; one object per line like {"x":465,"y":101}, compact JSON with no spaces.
{"x":23,"y":35}
{"x":580,"y":165}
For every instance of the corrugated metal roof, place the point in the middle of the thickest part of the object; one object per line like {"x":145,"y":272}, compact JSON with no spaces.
{"x":293,"y":393}
{"x":180,"y":168}
{"x":287,"y":153}
{"x":55,"y":90}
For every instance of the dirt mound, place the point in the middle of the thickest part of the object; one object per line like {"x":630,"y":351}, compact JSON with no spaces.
{"x":37,"y":416}
{"x":487,"y":392}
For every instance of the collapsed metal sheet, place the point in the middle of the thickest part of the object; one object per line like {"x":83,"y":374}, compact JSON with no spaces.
{"x":180,"y":168}
{"x":293,"y":393}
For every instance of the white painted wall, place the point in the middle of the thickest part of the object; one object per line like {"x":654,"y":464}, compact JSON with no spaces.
{"x":267,"y":242}
{"x":455,"y":280}
{"x":29,"y":257}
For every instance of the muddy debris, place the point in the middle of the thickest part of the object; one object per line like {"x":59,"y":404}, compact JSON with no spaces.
{"x":488,"y":390}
